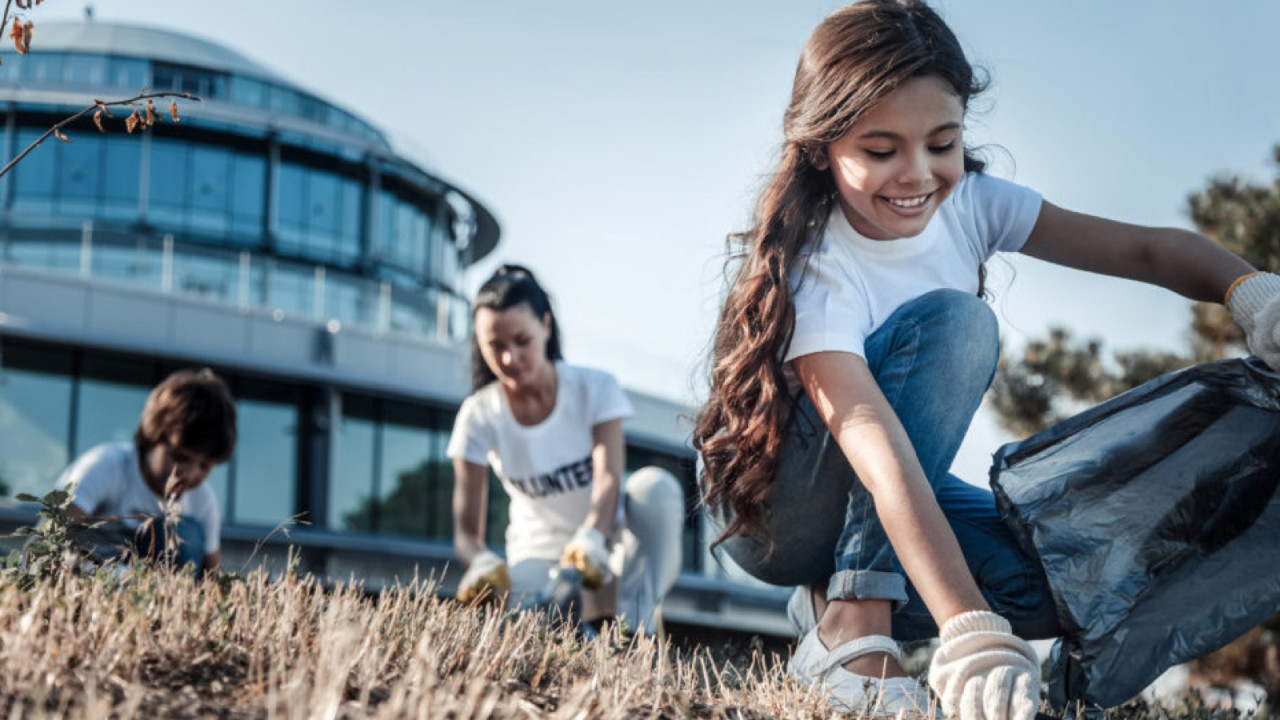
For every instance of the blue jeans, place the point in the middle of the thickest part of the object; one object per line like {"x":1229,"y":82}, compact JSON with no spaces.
{"x":115,"y":541}
{"x":933,"y":359}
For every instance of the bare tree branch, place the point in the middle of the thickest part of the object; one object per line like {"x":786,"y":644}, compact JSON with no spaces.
{"x":97,"y":105}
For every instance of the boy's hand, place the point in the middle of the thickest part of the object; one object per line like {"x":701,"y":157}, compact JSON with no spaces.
{"x":984,"y":672}
{"x":486,"y":578}
{"x":1254,"y":302}
{"x":588,"y":553}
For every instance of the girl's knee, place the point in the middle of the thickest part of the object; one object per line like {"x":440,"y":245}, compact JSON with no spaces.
{"x":960,"y":313}
{"x":961,"y":325}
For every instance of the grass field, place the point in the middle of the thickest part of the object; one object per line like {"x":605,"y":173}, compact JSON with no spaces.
{"x":154,"y":644}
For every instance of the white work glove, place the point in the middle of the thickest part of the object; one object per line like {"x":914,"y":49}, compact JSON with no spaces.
{"x":983,"y":671}
{"x":1255,"y":305}
{"x":486,"y":579}
{"x":588,"y":553}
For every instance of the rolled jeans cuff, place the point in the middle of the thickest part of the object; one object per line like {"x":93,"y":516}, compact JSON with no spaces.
{"x":868,"y":585}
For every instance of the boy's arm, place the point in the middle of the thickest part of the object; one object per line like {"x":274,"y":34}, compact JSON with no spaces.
{"x":212,"y":561}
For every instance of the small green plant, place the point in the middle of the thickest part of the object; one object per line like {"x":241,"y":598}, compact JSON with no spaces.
{"x":50,"y":548}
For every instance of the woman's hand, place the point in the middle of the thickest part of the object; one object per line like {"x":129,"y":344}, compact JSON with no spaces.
{"x":588,"y":553}
{"x":1254,"y":302}
{"x":984,"y":672}
{"x":486,"y":578}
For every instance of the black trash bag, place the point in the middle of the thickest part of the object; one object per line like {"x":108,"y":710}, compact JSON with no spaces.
{"x":1156,"y":518}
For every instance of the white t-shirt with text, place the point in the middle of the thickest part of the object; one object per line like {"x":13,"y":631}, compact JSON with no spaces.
{"x":545,"y":468}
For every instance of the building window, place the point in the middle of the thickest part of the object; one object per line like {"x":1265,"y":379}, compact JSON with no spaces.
{"x":354,"y":465}
{"x":202,"y":83}
{"x":79,"y":178}
{"x":81,"y":69}
{"x":263,"y":472}
{"x":211,"y":180}
{"x":33,"y":186}
{"x":170,"y":183}
{"x":35,"y":420}
{"x":247,"y":91}
{"x":121,"y":166}
{"x":128,"y":73}
{"x":208,"y":190}
{"x":109,"y":400}
{"x":41,"y":67}
{"x":391,"y":476}
{"x":318,"y":214}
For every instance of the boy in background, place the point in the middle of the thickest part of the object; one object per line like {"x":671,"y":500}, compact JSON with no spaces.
{"x":188,"y":427}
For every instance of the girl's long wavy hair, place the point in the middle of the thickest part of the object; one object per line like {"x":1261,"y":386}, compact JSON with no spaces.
{"x":507,"y":287}
{"x":856,"y":56}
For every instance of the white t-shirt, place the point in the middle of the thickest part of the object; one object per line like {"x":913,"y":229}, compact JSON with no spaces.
{"x":545,"y":468}
{"x":107,"y":481}
{"x":852,"y":284}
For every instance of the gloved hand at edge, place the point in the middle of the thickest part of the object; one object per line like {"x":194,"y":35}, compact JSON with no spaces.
{"x":983,"y":671}
{"x":588,"y":553}
{"x":1254,"y":302}
{"x":486,"y":579}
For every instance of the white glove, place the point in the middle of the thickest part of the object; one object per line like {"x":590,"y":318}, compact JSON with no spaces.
{"x":588,"y":553}
{"x":486,"y":578}
{"x":983,"y":671}
{"x":1255,"y":305}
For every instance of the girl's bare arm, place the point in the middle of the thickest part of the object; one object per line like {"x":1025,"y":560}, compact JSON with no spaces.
{"x":868,"y":432}
{"x":1185,"y":262}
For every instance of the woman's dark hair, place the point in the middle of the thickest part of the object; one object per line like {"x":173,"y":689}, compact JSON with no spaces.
{"x":854,"y":58}
{"x":509,"y":286}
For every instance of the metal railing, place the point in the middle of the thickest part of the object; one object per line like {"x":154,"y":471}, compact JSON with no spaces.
{"x":246,"y":279}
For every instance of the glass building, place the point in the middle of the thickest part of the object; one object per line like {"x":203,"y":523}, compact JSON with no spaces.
{"x":284,"y":241}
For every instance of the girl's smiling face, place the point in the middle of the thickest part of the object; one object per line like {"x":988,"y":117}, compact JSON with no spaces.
{"x":900,"y":160}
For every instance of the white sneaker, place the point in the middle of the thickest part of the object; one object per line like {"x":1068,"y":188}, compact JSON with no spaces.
{"x":800,"y":610}
{"x":813,"y":664}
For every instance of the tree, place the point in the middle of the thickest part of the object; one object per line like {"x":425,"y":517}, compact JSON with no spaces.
{"x":1054,"y":375}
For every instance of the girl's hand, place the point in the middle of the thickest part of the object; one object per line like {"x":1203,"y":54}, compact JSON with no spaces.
{"x":486,"y":578}
{"x":983,"y":671}
{"x":588,"y":553}
{"x":1254,"y":302}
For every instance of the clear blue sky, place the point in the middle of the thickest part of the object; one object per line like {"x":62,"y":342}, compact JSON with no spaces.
{"x":619,"y":143}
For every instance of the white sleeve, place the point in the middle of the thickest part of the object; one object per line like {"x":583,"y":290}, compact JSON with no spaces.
{"x":472,"y":436}
{"x":1003,"y":212}
{"x":608,"y":402}
{"x":93,"y":481}
{"x":831,"y":312}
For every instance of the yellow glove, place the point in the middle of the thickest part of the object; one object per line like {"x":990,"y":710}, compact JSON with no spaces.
{"x":486,"y":579}
{"x":589,"y":555}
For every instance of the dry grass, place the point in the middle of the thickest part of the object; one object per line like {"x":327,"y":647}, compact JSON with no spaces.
{"x":154,"y":644}
{"x":151,"y":643}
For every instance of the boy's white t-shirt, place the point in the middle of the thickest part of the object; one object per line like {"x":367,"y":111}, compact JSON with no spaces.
{"x":107,"y":481}
{"x":849,"y":285}
{"x":546,"y":468}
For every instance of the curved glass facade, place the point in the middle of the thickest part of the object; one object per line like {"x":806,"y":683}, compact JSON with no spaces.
{"x":126,"y":75}
{"x":334,"y":224}
{"x":263,"y":197}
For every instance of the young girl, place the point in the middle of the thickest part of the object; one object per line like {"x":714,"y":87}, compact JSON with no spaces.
{"x":553,"y":434}
{"x":853,"y":350}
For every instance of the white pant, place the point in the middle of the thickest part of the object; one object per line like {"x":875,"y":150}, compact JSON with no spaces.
{"x":646,"y":554}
